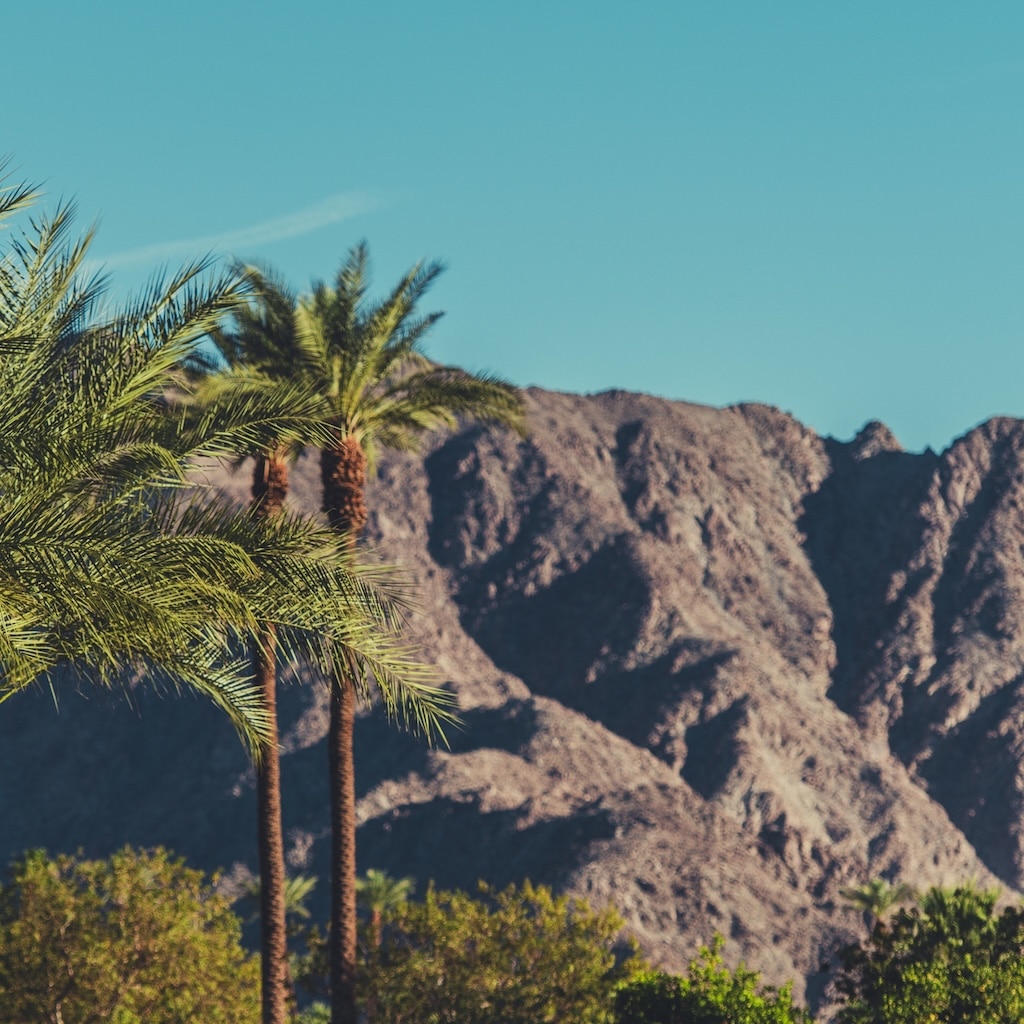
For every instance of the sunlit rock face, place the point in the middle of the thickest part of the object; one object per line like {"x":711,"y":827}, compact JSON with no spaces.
{"x":713,"y":668}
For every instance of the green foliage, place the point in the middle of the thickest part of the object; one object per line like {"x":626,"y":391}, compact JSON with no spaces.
{"x":107,"y":569}
{"x":709,"y":994}
{"x":518,"y":956}
{"x":366,"y":359}
{"x":136,"y":938}
{"x":316,"y":1013}
{"x":378,"y":892}
{"x":875,"y":899}
{"x":297,"y":890}
{"x":951,"y":958}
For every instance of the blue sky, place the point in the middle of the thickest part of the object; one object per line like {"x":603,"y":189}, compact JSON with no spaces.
{"x":815,"y":205}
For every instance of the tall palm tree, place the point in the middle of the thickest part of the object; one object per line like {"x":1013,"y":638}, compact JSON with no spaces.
{"x":380,"y":390}
{"x":259,"y":347}
{"x":105,"y":568}
{"x":261,"y":356}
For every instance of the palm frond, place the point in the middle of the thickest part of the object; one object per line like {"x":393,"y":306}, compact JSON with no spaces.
{"x":14,"y":195}
{"x":106,"y":572}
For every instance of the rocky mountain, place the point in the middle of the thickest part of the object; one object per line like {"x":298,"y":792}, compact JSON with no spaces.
{"x":713,"y":668}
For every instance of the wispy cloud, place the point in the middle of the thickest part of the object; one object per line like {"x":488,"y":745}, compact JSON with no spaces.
{"x":244,"y":240}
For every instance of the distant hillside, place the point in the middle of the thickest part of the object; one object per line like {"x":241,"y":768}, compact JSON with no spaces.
{"x":713,"y":668}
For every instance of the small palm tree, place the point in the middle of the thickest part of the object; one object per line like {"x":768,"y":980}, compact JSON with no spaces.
{"x":876,"y":898}
{"x":365,"y":360}
{"x":378,"y":893}
{"x":296,"y":892}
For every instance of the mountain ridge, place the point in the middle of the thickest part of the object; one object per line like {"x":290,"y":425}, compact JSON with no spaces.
{"x":713,"y":668}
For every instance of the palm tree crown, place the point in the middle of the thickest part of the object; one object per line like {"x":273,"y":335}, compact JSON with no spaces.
{"x":379,"y":389}
{"x":378,"y":893}
{"x":876,"y":898}
{"x":92,"y":575}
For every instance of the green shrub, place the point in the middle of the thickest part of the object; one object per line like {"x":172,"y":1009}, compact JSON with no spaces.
{"x":518,"y":956}
{"x":709,"y":994}
{"x":952,"y":957}
{"x":136,"y":939}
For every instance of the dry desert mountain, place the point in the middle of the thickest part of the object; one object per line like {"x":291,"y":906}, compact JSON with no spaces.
{"x":712,"y":667}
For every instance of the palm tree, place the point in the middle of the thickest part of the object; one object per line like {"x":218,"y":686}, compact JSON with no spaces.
{"x":91,"y":576}
{"x":261,"y":356}
{"x":378,"y":893}
{"x":366,"y":362}
{"x":876,"y":898}
{"x":105,"y":569}
{"x":296,"y":892}
{"x":261,"y":347}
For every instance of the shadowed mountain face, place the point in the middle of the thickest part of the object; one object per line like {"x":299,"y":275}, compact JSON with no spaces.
{"x":713,"y":668}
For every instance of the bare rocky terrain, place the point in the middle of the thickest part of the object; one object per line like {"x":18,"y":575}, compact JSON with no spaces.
{"x":712,"y":669}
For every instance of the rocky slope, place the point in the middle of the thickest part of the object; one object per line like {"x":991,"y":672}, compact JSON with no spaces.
{"x":712,"y":668}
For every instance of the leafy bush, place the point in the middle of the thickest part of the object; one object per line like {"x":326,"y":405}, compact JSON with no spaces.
{"x":316,"y":1013}
{"x":136,"y":938}
{"x":518,"y":956}
{"x":710,"y":994}
{"x":952,"y":957}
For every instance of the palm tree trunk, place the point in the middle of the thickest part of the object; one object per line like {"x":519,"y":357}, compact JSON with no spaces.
{"x":343,"y":471}
{"x":269,"y":485}
{"x":269,"y":489}
{"x":375,"y":929}
{"x":273,"y":938}
{"x":342,"y":949}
